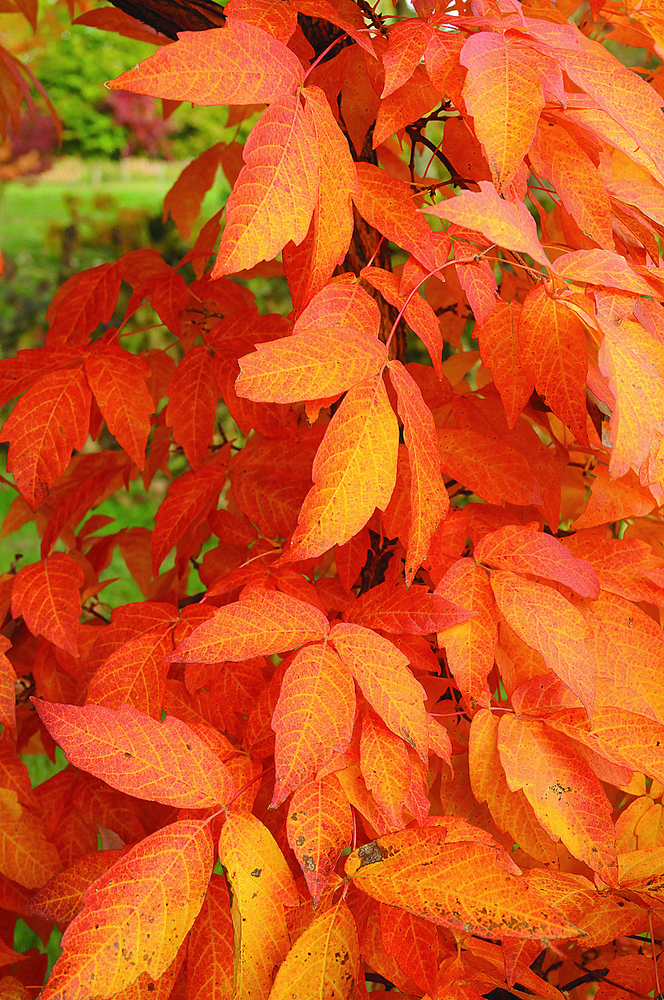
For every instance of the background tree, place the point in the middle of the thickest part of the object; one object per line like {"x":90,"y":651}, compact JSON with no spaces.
{"x":411,"y":732}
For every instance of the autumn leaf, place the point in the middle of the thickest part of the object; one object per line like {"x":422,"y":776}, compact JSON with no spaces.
{"x":502,"y":222}
{"x":210,"y":954}
{"x":448,"y":885}
{"x":567,"y":797}
{"x":159,"y":761}
{"x":414,"y":611}
{"x":503,"y":92}
{"x":264,"y":622}
{"x":323,"y":961}
{"x":262,"y":885}
{"x":319,"y":826}
{"x":51,"y":419}
{"x":470,"y":645}
{"x":386,"y":682}
{"x":235,"y":69}
{"x":311,"y":364}
{"x":308,"y":733}
{"x":117,"y":380}
{"x":275,"y":194}
{"x":524,"y":549}
{"x":354,"y":471}
{"x":192,"y":403}
{"x":47,"y":594}
{"x":428,"y":496}
{"x":26,"y":856}
{"x":548,"y":623}
{"x":159,"y":884}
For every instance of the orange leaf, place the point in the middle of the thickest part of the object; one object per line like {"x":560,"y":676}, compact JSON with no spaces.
{"x":61,"y":898}
{"x":406,"y":46}
{"x":47,"y":422}
{"x":324,"y":961}
{"x":237,"y":64}
{"x":506,"y":223}
{"x":555,"y":154}
{"x":7,"y":689}
{"x":492,"y":469}
{"x":460,"y":885}
{"x":414,"y":611}
{"x":261,"y":883}
{"x":624,"y":95}
{"x":313,"y":718}
{"x":386,"y":204}
{"x":332,"y":223}
{"x":470,"y":645}
{"x":501,"y":352}
{"x":192,"y":403}
{"x":510,"y":810}
{"x":382,"y":672}
{"x":412,"y":100}
{"x":262,"y":623}
{"x":524,"y":549}
{"x":275,"y":194}
{"x":319,"y":825}
{"x":343,"y":302}
{"x":158,"y":761}
{"x":117,"y":380}
{"x":553,"y":342}
{"x":632,"y":359}
{"x":503,"y":92}
{"x":25,"y":854}
{"x":601,"y":267}
{"x":413,"y":942}
{"x":354,"y":471}
{"x":568,"y":799}
{"x":418,"y":313}
{"x":624,"y":737}
{"x":548,"y":623}
{"x":311,"y":364}
{"x":429,"y":501}
{"x":210,"y":954}
{"x":134,"y":674}
{"x":47,"y":594}
{"x":385,"y":767}
{"x":160,"y":884}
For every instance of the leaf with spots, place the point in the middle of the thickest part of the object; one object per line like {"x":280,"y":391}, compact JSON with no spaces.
{"x":136,"y":916}
{"x":457,"y":885}
{"x":319,"y":826}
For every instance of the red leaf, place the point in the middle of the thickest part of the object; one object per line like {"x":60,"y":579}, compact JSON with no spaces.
{"x":524,"y":549}
{"x":210,"y":954}
{"x":117,"y":380}
{"x":188,"y":499}
{"x":159,"y":761}
{"x":47,"y":594}
{"x":414,"y":611}
{"x":47,"y":422}
{"x":183,"y":201}
{"x":83,"y":302}
{"x":192,"y":404}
